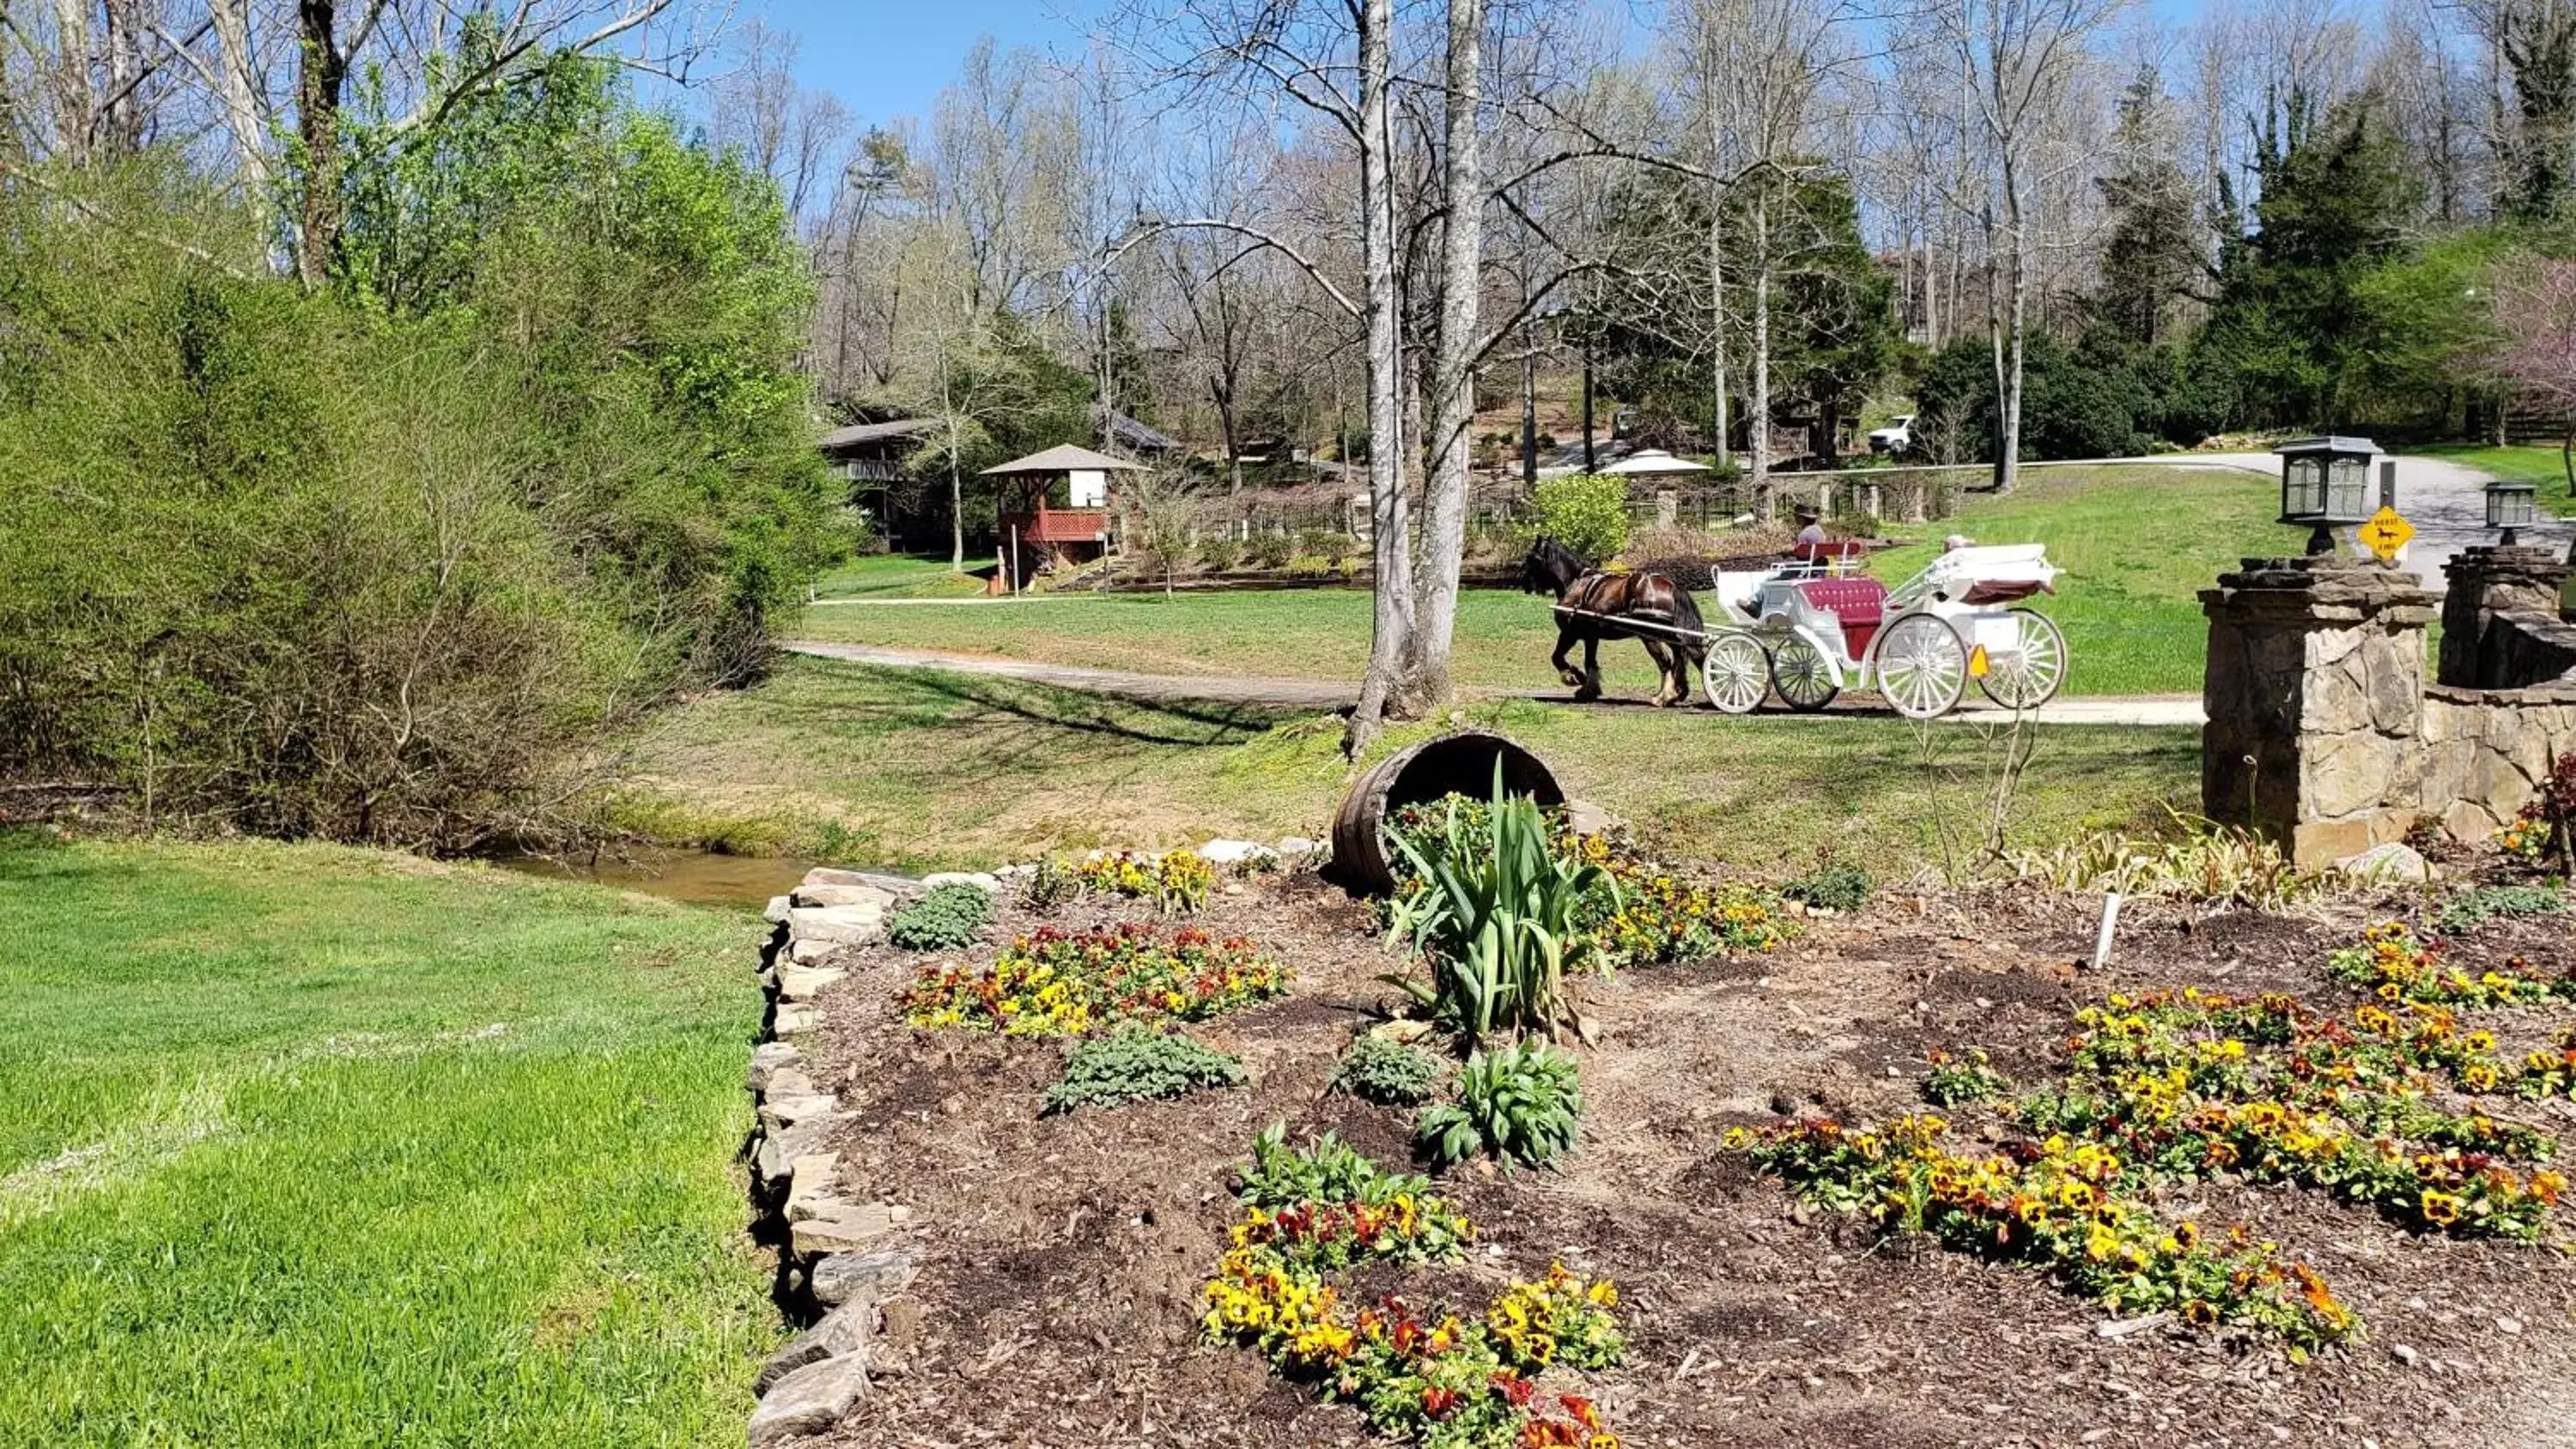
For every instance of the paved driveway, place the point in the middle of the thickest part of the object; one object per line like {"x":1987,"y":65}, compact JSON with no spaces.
{"x":2446,"y":502}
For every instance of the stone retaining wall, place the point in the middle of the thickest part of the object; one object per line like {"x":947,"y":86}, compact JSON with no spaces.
{"x":2487,"y":750}
{"x":841,"y":1261}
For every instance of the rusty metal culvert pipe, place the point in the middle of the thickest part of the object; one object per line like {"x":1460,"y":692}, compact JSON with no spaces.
{"x":1451,"y":764}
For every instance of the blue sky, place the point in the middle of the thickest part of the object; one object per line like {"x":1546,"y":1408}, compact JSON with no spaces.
{"x":888,"y":58}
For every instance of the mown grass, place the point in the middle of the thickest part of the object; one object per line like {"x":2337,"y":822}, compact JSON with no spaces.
{"x":896,"y":576}
{"x":306,"y":1146}
{"x":2544,"y":468}
{"x":919,"y":766}
{"x":2138,"y":544}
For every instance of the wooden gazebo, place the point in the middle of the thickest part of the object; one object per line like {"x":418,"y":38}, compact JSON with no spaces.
{"x":1031,"y":524}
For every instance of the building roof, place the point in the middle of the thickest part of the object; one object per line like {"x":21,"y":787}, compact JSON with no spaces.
{"x":857,"y":433}
{"x":1651,"y":463}
{"x":1126,"y":432}
{"x":1063,"y":458}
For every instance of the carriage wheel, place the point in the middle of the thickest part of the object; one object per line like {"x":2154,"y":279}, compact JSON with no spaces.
{"x":1922,"y":666}
{"x":2028,"y":674}
{"x":1736,"y":672}
{"x":1800,"y":673}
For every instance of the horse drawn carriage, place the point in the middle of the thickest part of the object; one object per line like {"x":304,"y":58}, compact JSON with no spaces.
{"x":1814,"y":626}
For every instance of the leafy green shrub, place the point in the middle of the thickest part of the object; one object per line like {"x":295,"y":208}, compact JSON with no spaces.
{"x":1049,"y":885}
{"x":1270,"y":550}
{"x":1135,"y":1065}
{"x":1332,"y":547}
{"x":2488,"y":902}
{"x":1328,"y":1170}
{"x":1220,"y":551}
{"x":943,"y":920}
{"x":1520,"y":1103}
{"x":1389,"y":1073}
{"x":1586,"y":512}
{"x":1498,"y":915}
{"x":1956,"y":1081}
{"x":1833,"y":886}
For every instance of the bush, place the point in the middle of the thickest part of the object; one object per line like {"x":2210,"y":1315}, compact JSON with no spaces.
{"x":1585,"y":512}
{"x":1832,"y":886}
{"x":386,"y":562}
{"x":943,"y":920}
{"x":1137,"y":1065}
{"x":1333,"y":548}
{"x":1520,"y":1103}
{"x":1389,"y":1073}
{"x":1220,"y":552}
{"x":1270,"y":550}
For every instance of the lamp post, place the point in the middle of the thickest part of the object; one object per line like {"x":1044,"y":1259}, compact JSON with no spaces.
{"x":2512,"y":507}
{"x":2325,"y":484}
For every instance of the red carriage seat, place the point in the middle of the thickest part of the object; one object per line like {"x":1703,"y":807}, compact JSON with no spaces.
{"x":1859,"y":604}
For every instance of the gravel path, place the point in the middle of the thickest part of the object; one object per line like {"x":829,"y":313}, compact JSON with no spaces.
{"x":1322,"y":694}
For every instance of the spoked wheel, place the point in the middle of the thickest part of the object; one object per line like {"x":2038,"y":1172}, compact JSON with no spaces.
{"x":1736,"y":672}
{"x":2027,"y":675}
{"x":1922,"y":666}
{"x":1800,"y":673}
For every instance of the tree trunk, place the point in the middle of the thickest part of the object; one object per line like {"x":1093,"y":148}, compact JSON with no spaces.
{"x":1589,"y":461}
{"x":1758,"y":424}
{"x":1454,"y":347}
{"x":231,"y":19}
{"x":1221,"y":393}
{"x":2008,"y":457}
{"x":1391,"y":614}
{"x":2567,"y":456}
{"x":1724,"y":448}
{"x":320,"y":74}
{"x":75,"y":99}
{"x":1529,"y":409}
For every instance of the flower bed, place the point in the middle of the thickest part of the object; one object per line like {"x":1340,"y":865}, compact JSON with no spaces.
{"x":1177,"y":881}
{"x":1054,"y":982}
{"x":2172,"y":1087}
{"x":1435,"y":1378}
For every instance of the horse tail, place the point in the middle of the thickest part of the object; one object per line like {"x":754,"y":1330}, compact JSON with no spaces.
{"x":1686,"y":616}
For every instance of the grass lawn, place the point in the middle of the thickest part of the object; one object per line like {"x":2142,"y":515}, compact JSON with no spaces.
{"x":2138,"y":544}
{"x":897,"y":576}
{"x":307,"y":1146}
{"x":915,"y":767}
{"x":2542,"y":467}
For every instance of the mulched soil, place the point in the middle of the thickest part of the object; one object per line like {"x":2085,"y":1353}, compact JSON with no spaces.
{"x":1063,"y":1257}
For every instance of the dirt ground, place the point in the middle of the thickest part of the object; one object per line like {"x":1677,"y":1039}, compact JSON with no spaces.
{"x":1063,"y":1257}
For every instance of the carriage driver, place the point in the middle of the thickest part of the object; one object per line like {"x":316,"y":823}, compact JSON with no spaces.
{"x":1811,"y":526}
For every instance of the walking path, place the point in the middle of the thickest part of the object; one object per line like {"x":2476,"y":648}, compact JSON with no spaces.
{"x":1321,"y":694}
{"x":2446,"y":502}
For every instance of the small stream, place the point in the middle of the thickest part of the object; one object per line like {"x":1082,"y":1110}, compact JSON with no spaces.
{"x":699,"y":877}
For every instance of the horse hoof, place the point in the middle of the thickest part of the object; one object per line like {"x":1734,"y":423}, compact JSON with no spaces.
{"x":1584,"y":695}
{"x":1572,"y":679}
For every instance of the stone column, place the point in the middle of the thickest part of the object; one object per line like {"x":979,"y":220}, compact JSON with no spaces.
{"x":2315,"y":696}
{"x":2487,"y":583}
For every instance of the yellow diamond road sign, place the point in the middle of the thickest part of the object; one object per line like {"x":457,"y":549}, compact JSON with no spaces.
{"x":2386,"y":533}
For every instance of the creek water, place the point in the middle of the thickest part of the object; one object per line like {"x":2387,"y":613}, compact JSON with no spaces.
{"x":699,"y":877}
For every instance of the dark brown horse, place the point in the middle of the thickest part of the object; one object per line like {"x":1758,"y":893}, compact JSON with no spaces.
{"x":1590,"y":606}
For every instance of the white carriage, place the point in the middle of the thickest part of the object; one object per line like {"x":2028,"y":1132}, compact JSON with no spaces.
{"x":1817,"y":626}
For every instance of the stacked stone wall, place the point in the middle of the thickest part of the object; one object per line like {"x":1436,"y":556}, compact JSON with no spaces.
{"x":2486,"y":752}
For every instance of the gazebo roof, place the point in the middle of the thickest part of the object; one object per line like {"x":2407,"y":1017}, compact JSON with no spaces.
{"x":1652,"y":462}
{"x":1063,"y":458}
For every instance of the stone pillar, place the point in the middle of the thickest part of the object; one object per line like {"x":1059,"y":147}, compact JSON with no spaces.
{"x":1668,"y":509}
{"x":2315,"y":696}
{"x":2487,"y":583}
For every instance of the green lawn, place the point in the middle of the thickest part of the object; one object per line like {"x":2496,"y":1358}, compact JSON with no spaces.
{"x":308,"y":1146}
{"x":2138,"y":545}
{"x":2544,"y":468}
{"x":896,"y":576}
{"x":915,"y":767}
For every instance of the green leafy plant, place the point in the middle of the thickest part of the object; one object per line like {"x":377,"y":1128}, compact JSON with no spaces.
{"x":2211,"y":862}
{"x":1960,"y":1079}
{"x":1270,"y":550}
{"x":2488,"y":902}
{"x":1520,"y":1103}
{"x":1498,"y":917}
{"x":1832,"y":886}
{"x":1049,"y":886}
{"x":1136,"y":1065}
{"x":943,"y":920}
{"x":1220,"y":551}
{"x":1389,"y":1073}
